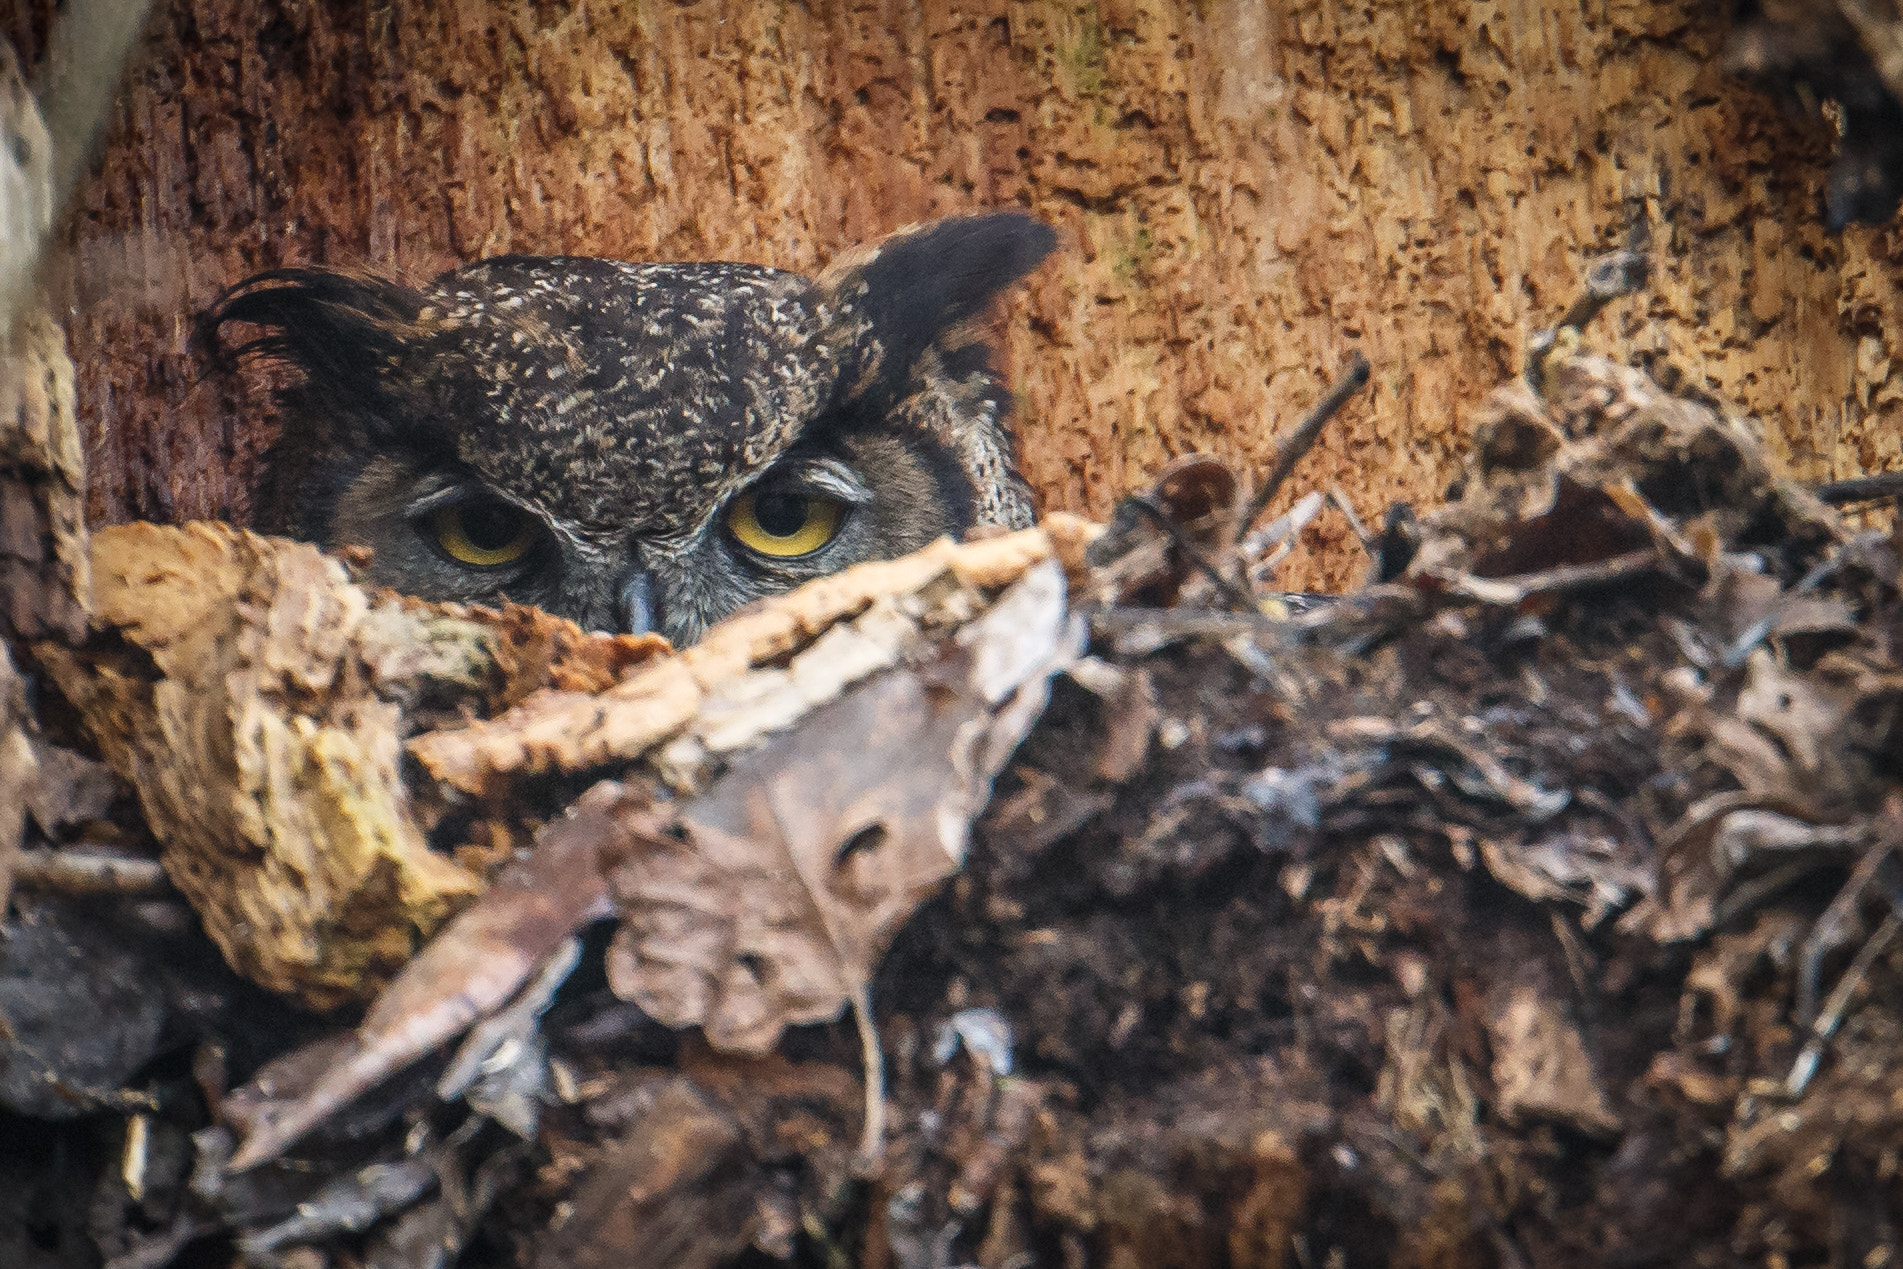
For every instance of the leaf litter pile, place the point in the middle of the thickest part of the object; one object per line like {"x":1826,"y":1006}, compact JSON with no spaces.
{"x":1064,"y":897}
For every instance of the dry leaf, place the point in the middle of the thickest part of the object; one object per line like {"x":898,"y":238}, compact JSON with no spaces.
{"x":72,"y":790}
{"x":1540,"y":1065}
{"x":939,"y":731}
{"x":673,"y":1190}
{"x":472,"y":969}
{"x":797,"y":867}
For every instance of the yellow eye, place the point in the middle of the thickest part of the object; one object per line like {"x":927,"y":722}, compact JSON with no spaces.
{"x":484,"y":532}
{"x":782,"y":523}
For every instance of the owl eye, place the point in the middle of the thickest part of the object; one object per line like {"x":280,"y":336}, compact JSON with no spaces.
{"x":484,"y":532}
{"x":783,"y":523}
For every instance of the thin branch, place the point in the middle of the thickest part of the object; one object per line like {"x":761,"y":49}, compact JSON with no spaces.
{"x":1237,"y":597}
{"x":872,"y":1054}
{"x":1608,"y":277}
{"x":1272,"y":544}
{"x":1839,"y":1004}
{"x":84,"y":873}
{"x":1517,"y":589}
{"x":1370,"y":541}
{"x":1290,"y":449}
{"x":1882,"y":487}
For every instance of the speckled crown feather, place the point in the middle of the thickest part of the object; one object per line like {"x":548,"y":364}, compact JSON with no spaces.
{"x":627,"y":394}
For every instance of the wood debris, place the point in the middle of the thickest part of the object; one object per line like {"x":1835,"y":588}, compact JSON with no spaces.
{"x":1535,"y":902}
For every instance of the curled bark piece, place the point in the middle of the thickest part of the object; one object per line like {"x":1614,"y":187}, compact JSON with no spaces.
{"x":253,"y":697}
{"x":573,"y":731}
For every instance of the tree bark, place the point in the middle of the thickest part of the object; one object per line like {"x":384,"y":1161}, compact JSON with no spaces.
{"x":1248,"y":193}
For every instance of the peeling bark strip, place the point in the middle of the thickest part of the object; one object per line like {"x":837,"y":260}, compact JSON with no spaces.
{"x":1246,"y":192}
{"x":44,"y":583}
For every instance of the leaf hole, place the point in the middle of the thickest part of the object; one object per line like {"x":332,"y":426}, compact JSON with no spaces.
{"x":864,"y":842}
{"x":754,"y":964}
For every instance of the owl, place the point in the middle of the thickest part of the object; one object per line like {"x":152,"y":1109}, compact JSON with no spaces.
{"x":637,"y":447}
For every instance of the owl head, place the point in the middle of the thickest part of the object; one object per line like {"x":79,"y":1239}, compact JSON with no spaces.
{"x":638,"y":446}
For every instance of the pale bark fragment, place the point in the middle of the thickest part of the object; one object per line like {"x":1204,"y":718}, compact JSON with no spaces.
{"x":19,"y":771}
{"x":573,"y":731}
{"x":256,"y":709}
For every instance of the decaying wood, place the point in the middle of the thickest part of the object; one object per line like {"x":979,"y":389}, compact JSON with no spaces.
{"x":1247,"y":192}
{"x":261,"y":704}
{"x":256,"y":699}
{"x":251,"y":695}
{"x":1558,"y":864}
{"x":1535,"y":904}
{"x":708,"y":686}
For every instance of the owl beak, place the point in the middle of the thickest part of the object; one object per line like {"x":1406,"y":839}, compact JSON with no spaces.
{"x":634,"y":606}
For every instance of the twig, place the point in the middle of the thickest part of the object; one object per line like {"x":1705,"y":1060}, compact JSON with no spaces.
{"x":78,"y":872}
{"x":1237,"y":597}
{"x":1607,"y":278}
{"x":1278,"y":538}
{"x":1836,"y":927}
{"x":1290,"y":449}
{"x":1882,"y":487}
{"x":1838,"y":1003}
{"x":872,"y":1142}
{"x":1370,"y":541}
{"x":1523,"y":586}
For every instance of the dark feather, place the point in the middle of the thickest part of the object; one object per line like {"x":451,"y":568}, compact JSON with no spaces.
{"x":342,"y":332}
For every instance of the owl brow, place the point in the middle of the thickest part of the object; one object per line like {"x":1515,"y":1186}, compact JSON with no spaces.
{"x":826,"y":476}
{"x":452,"y":488}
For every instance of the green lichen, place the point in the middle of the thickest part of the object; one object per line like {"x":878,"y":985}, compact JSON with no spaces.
{"x":1085,"y":62}
{"x":1132,"y":258}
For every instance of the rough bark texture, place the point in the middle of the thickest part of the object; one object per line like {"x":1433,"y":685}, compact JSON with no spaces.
{"x":1248,"y":192}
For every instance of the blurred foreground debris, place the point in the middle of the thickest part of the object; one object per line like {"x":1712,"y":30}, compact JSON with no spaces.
{"x":1839,"y":61}
{"x":1059,"y":897}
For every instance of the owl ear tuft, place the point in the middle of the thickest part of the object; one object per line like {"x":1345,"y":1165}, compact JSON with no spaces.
{"x":921,"y":282}
{"x":341,"y":331}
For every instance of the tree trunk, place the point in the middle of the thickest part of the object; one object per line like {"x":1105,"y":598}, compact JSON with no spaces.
{"x":1247,"y":194}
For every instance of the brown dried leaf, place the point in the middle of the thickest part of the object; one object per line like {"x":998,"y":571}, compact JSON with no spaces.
{"x":795,"y":869}
{"x":1540,"y":1065}
{"x":1802,"y":716}
{"x":776,"y":867}
{"x":1600,"y":466}
{"x":72,"y":790}
{"x":472,"y":969}
{"x":673,"y":1189}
